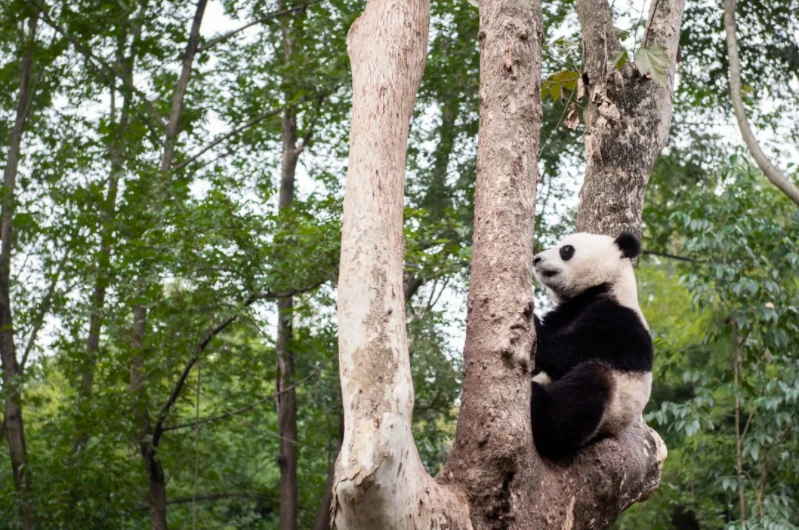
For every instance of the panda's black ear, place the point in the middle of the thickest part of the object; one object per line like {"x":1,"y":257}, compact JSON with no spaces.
{"x":629,"y":245}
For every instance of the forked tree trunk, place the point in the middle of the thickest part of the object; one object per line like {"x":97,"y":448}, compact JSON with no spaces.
{"x":148,"y":445}
{"x":12,"y":414}
{"x":627,"y":117}
{"x":494,"y":478}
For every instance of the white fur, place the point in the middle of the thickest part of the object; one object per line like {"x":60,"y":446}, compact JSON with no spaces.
{"x":596,"y":260}
{"x":629,"y":397}
{"x":542,"y":379}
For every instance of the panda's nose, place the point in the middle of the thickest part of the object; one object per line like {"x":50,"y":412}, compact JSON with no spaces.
{"x":538,"y":259}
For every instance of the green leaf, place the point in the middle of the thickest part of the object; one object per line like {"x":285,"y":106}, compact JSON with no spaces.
{"x":621,"y":59}
{"x":654,"y":61}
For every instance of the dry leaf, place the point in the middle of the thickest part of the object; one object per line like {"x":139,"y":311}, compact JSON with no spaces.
{"x":573,"y":118}
{"x":609,"y":111}
{"x":580,"y":89}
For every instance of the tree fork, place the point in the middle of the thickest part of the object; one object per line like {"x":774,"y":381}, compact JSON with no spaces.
{"x":494,"y":478}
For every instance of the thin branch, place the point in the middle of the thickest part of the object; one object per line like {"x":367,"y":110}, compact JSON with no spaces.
{"x":226,"y":136}
{"x":266,"y":18}
{"x":309,"y":131}
{"x":235,"y":412}
{"x":210,"y":497}
{"x":158,"y":429}
{"x":106,"y":70}
{"x":672,"y":256}
{"x":770,"y":170}
{"x":44,"y":308}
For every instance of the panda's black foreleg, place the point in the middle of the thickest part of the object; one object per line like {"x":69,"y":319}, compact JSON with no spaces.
{"x":566,"y":413}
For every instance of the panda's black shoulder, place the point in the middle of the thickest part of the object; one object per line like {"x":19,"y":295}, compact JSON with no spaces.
{"x":617,"y":335}
{"x":575,"y":308}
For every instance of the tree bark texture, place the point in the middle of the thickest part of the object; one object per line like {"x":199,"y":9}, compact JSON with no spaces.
{"x":492,"y":457}
{"x":627,"y":117}
{"x":493,"y":478}
{"x":776,"y":176}
{"x":286,"y":395}
{"x":380,"y":480}
{"x":12,"y":417}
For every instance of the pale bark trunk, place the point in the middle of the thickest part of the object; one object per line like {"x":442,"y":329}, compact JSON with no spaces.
{"x":621,"y":146}
{"x":12,"y":418}
{"x":380,"y":480}
{"x":493,"y":478}
{"x":286,"y":395}
{"x":770,"y":170}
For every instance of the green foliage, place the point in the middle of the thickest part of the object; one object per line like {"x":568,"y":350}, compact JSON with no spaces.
{"x":734,"y":310}
{"x":651,"y":61}
{"x":195,"y":245}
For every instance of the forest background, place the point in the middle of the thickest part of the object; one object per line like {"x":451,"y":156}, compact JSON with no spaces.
{"x":178,"y":172}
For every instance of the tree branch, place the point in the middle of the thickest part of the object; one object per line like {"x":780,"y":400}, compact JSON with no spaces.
{"x":627,"y":117}
{"x":210,"y":497}
{"x":773,"y":173}
{"x":226,"y":136}
{"x":266,"y":18}
{"x":158,"y":429}
{"x":44,"y":308}
{"x":107,"y":71}
{"x":251,"y":406}
{"x":672,"y":256}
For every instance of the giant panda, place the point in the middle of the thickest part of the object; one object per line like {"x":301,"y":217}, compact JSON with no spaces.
{"x":593,"y":361}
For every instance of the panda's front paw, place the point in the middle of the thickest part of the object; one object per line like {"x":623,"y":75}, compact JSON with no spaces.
{"x":542,"y":379}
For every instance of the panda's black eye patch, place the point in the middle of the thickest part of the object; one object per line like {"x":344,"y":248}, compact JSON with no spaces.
{"x":566,"y":252}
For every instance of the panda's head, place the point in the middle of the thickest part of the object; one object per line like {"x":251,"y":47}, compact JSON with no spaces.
{"x":581,"y":261}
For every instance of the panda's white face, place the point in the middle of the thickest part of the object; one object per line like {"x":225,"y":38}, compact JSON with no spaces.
{"x":581,"y":261}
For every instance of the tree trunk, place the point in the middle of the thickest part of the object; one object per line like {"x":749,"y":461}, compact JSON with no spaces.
{"x":149,"y":453}
{"x":627,"y":118}
{"x":322,"y":520}
{"x":492,"y":456}
{"x":149,"y":449}
{"x":12,"y":419}
{"x":380,"y":480}
{"x":494,"y":478}
{"x":286,"y":395}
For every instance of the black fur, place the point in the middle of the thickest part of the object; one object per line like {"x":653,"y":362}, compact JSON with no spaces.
{"x":629,"y":245}
{"x":566,"y":414}
{"x":580,"y":343}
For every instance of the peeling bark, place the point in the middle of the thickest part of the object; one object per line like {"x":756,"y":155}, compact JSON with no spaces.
{"x":627,"y":118}
{"x":12,"y":372}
